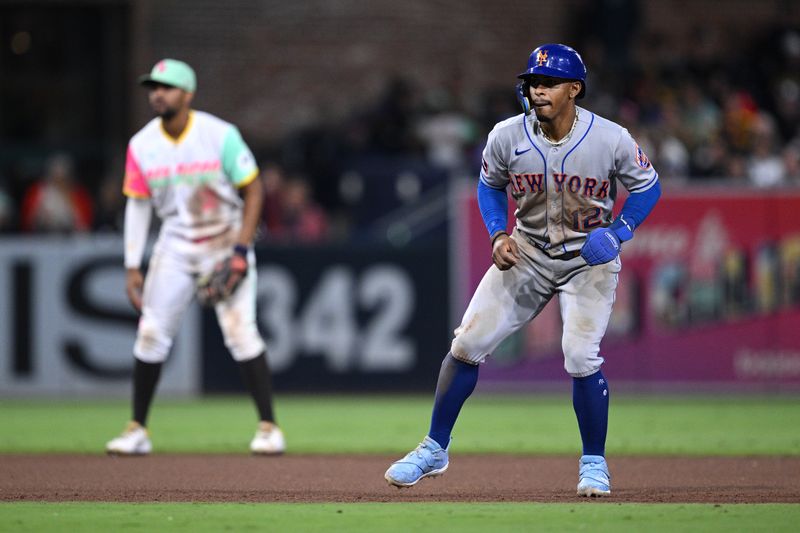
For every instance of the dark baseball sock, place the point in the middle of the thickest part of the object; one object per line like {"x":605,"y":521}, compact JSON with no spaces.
{"x":145,"y":379}
{"x":257,"y":379}
{"x":590,"y":398}
{"x":457,"y":380}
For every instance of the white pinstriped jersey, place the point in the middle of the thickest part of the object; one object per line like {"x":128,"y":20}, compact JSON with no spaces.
{"x":564,"y":191}
{"x":191,"y":181}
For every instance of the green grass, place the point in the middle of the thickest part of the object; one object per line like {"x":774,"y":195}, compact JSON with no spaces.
{"x":595,"y":517}
{"x":695,"y":425}
{"x":701,"y":425}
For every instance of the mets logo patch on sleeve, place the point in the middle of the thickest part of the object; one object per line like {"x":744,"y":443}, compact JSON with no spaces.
{"x":641,"y":158}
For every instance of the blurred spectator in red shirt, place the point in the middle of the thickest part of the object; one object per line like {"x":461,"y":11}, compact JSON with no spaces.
{"x":739,"y":119}
{"x":272,"y":179}
{"x":290,"y":213}
{"x":56,"y":203}
{"x":302,"y":218}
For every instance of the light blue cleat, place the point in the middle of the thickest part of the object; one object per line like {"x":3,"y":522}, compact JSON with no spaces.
{"x":593,"y":476}
{"x":426,"y":460}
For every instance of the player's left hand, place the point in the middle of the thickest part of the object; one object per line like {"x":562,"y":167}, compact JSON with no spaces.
{"x":223,"y":280}
{"x":505,"y":252}
{"x":238,"y":272}
{"x":601,"y":246}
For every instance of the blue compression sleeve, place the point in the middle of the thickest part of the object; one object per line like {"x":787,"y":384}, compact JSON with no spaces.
{"x":493,"y":204}
{"x":590,"y":401}
{"x":636,"y":208}
{"x":457,"y":380}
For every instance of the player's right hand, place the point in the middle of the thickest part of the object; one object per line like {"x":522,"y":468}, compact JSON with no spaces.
{"x":505,"y":252}
{"x":134,"y":281}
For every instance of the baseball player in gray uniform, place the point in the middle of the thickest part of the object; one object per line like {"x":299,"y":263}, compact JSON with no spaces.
{"x":198,"y":174}
{"x":562,"y":164}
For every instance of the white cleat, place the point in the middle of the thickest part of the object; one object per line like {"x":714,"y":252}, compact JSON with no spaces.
{"x":268,"y":440}
{"x":594,"y":479}
{"x":134,"y":441}
{"x":426,"y":460}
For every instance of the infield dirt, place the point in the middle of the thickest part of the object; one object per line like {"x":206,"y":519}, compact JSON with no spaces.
{"x":359,"y":478}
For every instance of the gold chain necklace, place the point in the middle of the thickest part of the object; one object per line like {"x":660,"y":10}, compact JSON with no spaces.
{"x":566,"y":137}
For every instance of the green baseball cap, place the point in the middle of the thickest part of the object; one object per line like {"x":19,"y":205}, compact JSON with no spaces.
{"x":171,"y":72}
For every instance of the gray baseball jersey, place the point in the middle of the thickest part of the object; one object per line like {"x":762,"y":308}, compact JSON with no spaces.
{"x":564,"y":190}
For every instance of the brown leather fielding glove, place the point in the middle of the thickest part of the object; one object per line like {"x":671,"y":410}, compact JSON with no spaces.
{"x":223,"y":281}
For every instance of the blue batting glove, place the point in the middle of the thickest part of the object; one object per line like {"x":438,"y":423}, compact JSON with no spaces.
{"x":601,"y":246}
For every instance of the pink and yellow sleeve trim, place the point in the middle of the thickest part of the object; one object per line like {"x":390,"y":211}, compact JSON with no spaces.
{"x":135,"y":185}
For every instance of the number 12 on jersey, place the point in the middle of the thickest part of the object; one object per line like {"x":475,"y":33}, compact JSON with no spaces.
{"x":586,"y":218}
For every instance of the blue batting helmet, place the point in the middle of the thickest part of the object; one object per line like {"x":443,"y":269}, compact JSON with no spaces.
{"x":557,"y":61}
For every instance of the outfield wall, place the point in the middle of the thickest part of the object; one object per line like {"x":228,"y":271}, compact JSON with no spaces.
{"x":66,"y":324}
{"x":709,"y":298}
{"x":335,"y":318}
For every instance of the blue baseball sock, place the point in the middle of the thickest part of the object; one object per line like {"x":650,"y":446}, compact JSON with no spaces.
{"x":590,"y":400}
{"x":457,"y":380}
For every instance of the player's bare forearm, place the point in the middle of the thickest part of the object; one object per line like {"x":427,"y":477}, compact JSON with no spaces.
{"x":134,"y":281}
{"x":505,"y":252}
{"x":253,"y":198}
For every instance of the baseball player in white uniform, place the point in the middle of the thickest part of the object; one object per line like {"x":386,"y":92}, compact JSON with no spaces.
{"x":200,"y":177}
{"x":562,"y":165}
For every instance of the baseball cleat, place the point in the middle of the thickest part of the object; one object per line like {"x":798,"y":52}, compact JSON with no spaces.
{"x":426,"y":460}
{"x":268,"y":440}
{"x":594,"y":479}
{"x":135,"y":440}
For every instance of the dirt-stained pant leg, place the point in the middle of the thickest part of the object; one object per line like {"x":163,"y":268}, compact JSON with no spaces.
{"x":504,"y":301}
{"x":586,"y":301}
{"x":168,"y":289}
{"x":237,"y":318}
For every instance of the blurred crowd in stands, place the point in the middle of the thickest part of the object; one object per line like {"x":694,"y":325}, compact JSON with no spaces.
{"x":714,"y":109}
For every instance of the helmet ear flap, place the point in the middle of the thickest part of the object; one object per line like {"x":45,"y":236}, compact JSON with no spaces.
{"x":523,"y":91}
